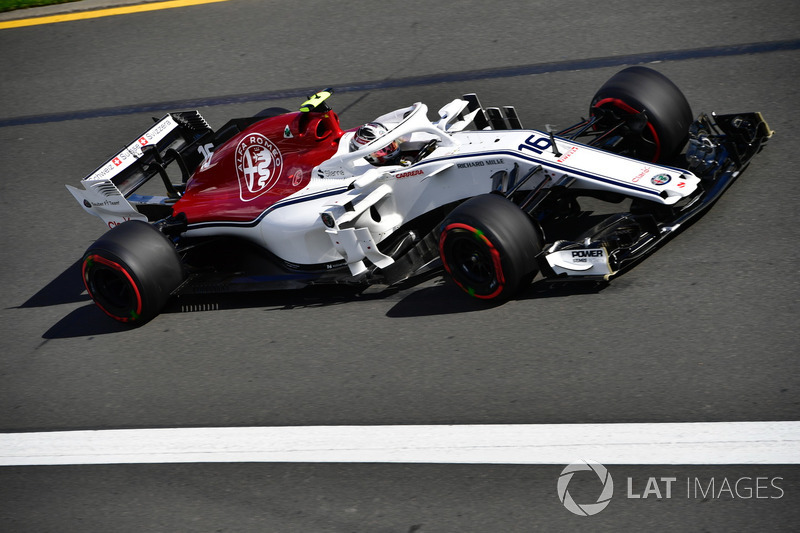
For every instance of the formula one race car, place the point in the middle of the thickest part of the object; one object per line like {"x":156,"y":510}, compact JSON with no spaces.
{"x":288,"y":199}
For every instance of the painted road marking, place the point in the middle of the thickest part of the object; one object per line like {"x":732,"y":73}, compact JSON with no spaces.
{"x":707,"y":443}
{"x":67,"y":17}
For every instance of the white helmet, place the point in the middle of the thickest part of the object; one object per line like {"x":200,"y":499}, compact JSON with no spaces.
{"x":368,"y":133}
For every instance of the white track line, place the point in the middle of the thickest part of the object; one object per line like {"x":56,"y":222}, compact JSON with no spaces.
{"x":679,"y":443}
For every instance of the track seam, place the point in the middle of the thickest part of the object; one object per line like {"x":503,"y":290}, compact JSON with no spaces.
{"x":416,"y":81}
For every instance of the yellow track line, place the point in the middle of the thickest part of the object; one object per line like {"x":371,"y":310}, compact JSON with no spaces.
{"x":104,"y":13}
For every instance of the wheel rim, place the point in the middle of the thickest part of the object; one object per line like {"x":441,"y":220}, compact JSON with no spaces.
{"x":472,"y":261}
{"x":112,"y":288}
{"x":650,"y":140}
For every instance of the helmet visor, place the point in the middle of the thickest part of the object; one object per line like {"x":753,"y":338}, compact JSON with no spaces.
{"x":387,"y":152}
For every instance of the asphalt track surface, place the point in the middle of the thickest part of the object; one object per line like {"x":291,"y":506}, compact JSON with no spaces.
{"x":705,"y":330}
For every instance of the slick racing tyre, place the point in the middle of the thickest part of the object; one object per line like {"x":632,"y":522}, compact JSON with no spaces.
{"x":272,"y":112}
{"x":668,"y":114}
{"x":488,"y":246}
{"x":131,"y":270}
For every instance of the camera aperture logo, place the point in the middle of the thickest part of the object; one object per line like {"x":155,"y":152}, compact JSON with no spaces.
{"x":585,"y":509}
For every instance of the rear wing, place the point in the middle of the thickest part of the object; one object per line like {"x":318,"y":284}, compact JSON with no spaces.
{"x":178,"y":137}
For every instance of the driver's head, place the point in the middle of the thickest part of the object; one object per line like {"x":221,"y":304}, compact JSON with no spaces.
{"x":368,"y":133}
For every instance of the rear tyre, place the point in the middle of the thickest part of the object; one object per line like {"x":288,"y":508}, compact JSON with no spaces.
{"x":488,"y":246}
{"x":131,"y":271}
{"x":272,"y":112}
{"x":640,"y":89}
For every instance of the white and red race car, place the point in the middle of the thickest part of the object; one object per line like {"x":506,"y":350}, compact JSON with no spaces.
{"x":286,"y":199}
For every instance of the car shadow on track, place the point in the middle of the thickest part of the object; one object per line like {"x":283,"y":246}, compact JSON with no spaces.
{"x":446,"y":298}
{"x":64,"y":289}
{"x":428,"y":295}
{"x":67,"y":288}
{"x":89,"y":320}
{"x":86,"y":321}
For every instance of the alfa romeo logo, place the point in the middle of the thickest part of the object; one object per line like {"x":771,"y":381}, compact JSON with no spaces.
{"x":661,"y":179}
{"x":258,"y":166}
{"x":585,"y":509}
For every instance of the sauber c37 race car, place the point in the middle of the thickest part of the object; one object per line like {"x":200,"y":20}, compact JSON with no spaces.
{"x":288,"y":199}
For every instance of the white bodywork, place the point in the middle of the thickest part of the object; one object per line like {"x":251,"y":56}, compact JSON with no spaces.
{"x":462,"y":166}
{"x":364,"y":204}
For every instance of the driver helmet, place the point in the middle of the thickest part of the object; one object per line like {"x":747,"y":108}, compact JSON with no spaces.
{"x":368,"y":133}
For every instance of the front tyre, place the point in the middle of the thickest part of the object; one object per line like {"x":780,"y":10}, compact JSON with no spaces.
{"x":131,"y":271}
{"x":668,"y":115}
{"x":488,"y":246}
